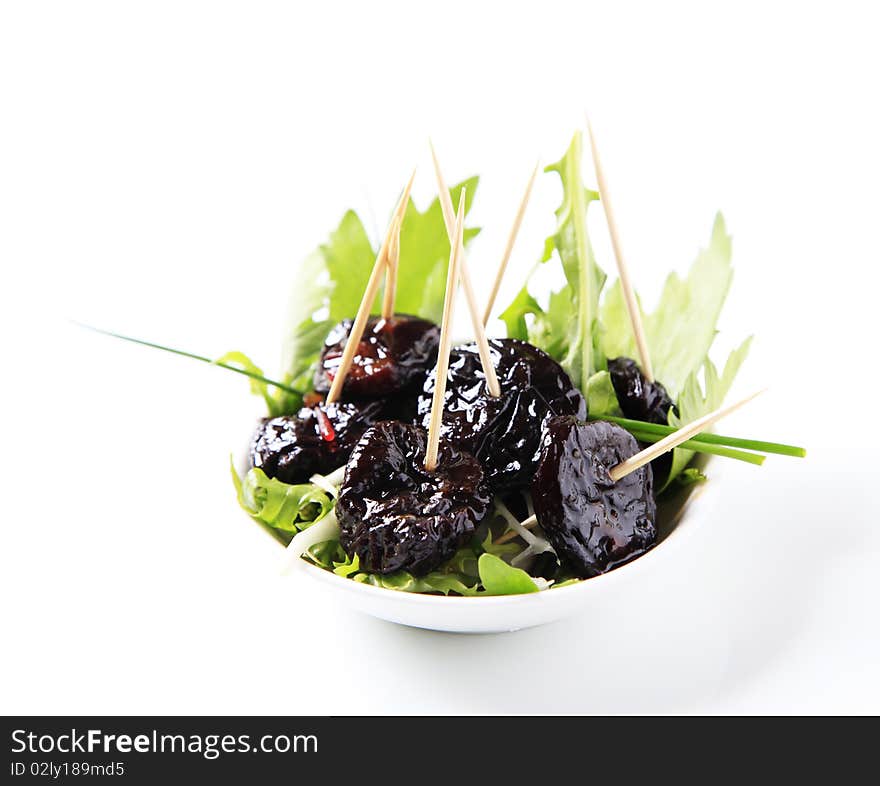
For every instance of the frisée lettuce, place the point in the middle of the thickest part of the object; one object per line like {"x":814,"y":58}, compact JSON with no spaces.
{"x":681,"y":329}
{"x":331,"y":282}
{"x":566,"y":329}
{"x":679,"y":332}
{"x":580,"y":326}
{"x":283,"y":508}
{"x":476,"y":569}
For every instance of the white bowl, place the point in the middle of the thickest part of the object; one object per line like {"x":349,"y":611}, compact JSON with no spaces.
{"x":499,"y":614}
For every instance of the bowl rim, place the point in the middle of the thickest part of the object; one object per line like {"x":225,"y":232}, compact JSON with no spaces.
{"x":626,"y":572}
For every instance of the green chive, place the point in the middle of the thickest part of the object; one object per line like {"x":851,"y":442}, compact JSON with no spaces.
{"x":201,"y":358}
{"x":704,"y":447}
{"x":713,"y":439}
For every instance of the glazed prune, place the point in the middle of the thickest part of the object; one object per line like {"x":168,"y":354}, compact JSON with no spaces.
{"x":594,"y":523}
{"x":317,"y":439}
{"x":638,"y":398}
{"x":393,"y":356}
{"x":394,"y":514}
{"x":504,"y":433}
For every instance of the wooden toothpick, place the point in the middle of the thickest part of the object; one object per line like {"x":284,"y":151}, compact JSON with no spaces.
{"x":512,"y":533}
{"x":649,"y":454}
{"x":392,"y":264}
{"x":676,"y":438}
{"x":363,"y":314}
{"x":393,"y":257}
{"x":511,"y":239}
{"x":479,"y":328}
{"x":629,"y":295}
{"x":452,"y":278}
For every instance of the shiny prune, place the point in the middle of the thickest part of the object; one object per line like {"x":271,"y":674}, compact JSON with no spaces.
{"x":504,"y":433}
{"x":394,"y":514}
{"x":393,"y":356}
{"x":318,"y":439}
{"x":638,"y":398}
{"x":594,"y":524}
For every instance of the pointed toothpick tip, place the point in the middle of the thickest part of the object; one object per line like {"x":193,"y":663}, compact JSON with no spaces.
{"x":451,"y":222}
{"x":403,"y":202}
{"x":629,"y":295}
{"x":508,"y":248}
{"x":435,"y":160}
{"x":444,"y":195}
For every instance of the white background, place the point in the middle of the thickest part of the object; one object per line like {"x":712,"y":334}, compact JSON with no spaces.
{"x":164,"y":166}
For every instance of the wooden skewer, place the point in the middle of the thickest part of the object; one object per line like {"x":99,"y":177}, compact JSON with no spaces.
{"x":393,"y":257}
{"x":452,"y":279}
{"x":363,"y":314}
{"x":676,"y":438}
{"x":629,"y":295}
{"x":360,"y":322}
{"x":492,"y":384}
{"x":530,"y":522}
{"x":650,"y":453}
{"x":403,"y":202}
{"x":511,"y":239}
{"x":392,"y":262}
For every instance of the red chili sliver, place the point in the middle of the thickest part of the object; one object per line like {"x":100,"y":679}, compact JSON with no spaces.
{"x":327,"y":432}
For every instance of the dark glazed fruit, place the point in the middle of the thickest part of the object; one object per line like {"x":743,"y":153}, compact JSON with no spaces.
{"x":638,"y":398}
{"x":504,"y":433}
{"x":394,"y":355}
{"x":593,"y":523}
{"x":395,"y":515}
{"x":317,"y":439}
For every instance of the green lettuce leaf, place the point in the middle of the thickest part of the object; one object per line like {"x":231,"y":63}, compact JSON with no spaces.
{"x":690,"y":477}
{"x":499,"y":578}
{"x":455,"y":576}
{"x":695,"y":400}
{"x":327,"y":554}
{"x":424,"y":255}
{"x":502,"y":550}
{"x":566,"y":328}
{"x":331,"y":282}
{"x":433,"y":582}
{"x":329,"y":285}
{"x":681,"y":329}
{"x":460,"y":575}
{"x":285,"y":508}
{"x":548,"y":328}
{"x":601,"y":398}
{"x":585,"y":279}
{"x":258,"y":387}
{"x":514,"y":316}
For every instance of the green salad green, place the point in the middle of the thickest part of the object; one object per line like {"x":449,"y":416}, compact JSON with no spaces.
{"x":331,"y":283}
{"x":679,"y":332}
{"x":581,"y":325}
{"x":332,"y":280}
{"x":476,"y":569}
